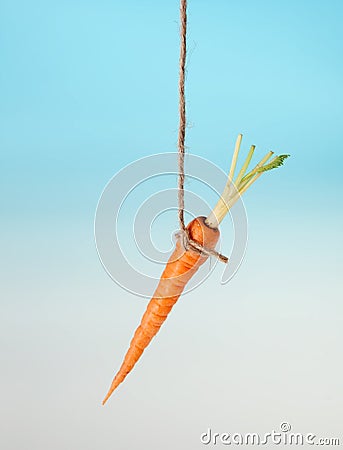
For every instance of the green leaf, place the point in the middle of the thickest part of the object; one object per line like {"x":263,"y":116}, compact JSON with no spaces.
{"x":276,"y":162}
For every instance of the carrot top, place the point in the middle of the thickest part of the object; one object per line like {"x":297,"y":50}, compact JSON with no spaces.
{"x":234,"y":188}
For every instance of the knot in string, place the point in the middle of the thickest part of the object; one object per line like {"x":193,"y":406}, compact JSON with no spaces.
{"x":189,"y":243}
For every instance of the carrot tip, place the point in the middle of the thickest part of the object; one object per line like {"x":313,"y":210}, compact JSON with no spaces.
{"x":105,"y":400}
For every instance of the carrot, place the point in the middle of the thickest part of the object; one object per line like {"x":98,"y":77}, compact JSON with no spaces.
{"x":183,"y":264}
{"x":179,"y":269}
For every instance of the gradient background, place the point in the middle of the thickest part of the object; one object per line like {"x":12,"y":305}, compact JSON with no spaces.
{"x":86,"y":88}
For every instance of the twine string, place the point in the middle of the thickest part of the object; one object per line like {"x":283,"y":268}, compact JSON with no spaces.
{"x":186,"y":239}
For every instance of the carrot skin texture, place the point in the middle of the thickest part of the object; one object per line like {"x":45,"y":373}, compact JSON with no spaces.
{"x":179,"y":269}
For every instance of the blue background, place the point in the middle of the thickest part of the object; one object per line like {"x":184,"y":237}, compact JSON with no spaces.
{"x":86,"y":88}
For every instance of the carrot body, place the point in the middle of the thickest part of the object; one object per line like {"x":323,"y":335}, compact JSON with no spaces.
{"x":179,"y":269}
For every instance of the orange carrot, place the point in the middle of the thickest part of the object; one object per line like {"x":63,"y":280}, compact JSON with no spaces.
{"x":183,"y":264}
{"x":180,"y":268}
